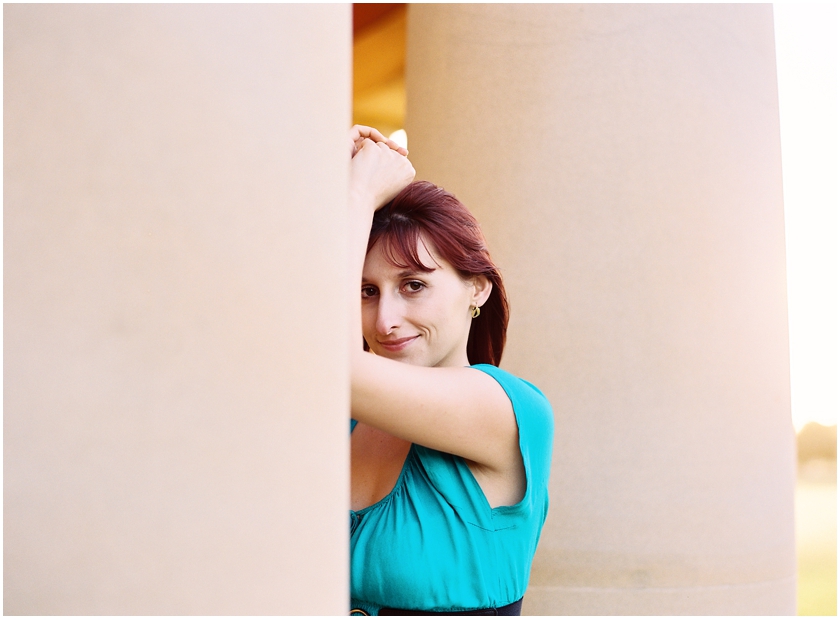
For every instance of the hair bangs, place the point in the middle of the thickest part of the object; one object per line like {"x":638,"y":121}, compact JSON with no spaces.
{"x":399,"y":244}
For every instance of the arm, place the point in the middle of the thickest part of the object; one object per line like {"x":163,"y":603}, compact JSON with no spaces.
{"x":456,"y":410}
{"x":461,"y":411}
{"x":377,"y":174}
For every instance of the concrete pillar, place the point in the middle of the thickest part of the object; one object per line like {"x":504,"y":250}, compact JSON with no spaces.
{"x":175,"y":384}
{"x":624,"y":162}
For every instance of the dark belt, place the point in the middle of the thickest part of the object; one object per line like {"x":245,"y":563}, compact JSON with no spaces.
{"x":514,"y":609}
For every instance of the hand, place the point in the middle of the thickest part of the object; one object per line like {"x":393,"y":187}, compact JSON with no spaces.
{"x":378,"y":172}
{"x":358,"y":133}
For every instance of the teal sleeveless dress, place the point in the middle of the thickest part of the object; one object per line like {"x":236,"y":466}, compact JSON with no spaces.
{"x":435,"y":544}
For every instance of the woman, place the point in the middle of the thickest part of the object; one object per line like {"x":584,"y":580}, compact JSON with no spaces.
{"x":450,"y":455}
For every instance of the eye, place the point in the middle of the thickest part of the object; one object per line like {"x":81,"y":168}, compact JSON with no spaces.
{"x":414,"y":286}
{"x":369,"y":291}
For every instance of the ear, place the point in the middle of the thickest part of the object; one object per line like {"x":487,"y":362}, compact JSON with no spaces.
{"x":482,"y":287}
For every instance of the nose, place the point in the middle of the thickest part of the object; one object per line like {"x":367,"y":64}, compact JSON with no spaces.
{"x":388,"y":314}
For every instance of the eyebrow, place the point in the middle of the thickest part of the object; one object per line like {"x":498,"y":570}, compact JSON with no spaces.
{"x":407,"y":273}
{"x":411,"y":272}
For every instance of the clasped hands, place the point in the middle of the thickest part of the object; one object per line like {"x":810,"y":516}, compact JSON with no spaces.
{"x":379,"y":167}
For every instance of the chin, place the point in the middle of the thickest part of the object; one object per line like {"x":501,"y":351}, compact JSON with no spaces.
{"x":412,"y":359}
{"x":406,"y":358}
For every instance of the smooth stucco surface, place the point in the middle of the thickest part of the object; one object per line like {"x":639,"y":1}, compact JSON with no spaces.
{"x":174,"y":372}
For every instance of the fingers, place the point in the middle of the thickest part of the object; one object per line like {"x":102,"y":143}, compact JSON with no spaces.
{"x":385,"y":149}
{"x":366,"y":142}
{"x":362,"y":131}
{"x":397,"y":147}
{"x":358,"y":143}
{"x":359,"y":133}
{"x":369,"y":143}
{"x":387,"y":143}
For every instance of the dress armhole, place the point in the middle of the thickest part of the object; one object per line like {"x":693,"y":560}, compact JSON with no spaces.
{"x":535,"y":424}
{"x":452,"y":478}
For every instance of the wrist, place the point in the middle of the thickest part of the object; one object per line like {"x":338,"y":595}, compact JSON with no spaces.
{"x":360,"y":199}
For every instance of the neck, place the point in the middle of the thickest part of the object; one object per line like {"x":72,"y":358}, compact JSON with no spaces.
{"x":454,"y":361}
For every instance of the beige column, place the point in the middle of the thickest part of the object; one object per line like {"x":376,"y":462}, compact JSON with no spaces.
{"x":624,"y":161}
{"x":176,"y":395}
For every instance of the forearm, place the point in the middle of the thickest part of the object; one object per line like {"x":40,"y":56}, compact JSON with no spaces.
{"x":362,"y":208}
{"x":377,"y":174}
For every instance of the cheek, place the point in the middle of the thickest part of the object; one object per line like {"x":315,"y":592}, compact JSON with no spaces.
{"x":368,"y":317}
{"x":448,"y":315}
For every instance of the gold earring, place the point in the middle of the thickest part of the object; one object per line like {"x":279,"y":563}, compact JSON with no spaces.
{"x":475,"y":312}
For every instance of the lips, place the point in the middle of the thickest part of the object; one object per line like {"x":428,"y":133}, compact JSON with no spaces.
{"x":397,"y":345}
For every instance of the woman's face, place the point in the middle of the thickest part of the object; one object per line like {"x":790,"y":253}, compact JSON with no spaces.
{"x":420,"y":318}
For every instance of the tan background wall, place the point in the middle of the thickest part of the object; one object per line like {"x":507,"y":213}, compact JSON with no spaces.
{"x":624,"y":161}
{"x":174,"y":386}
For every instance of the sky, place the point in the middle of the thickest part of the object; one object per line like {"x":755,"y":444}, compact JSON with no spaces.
{"x":808,"y":69}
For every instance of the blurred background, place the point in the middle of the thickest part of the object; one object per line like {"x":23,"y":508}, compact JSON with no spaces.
{"x":807,"y":64}
{"x":806,"y":54}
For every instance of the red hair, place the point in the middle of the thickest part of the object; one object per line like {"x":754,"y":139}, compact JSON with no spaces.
{"x":425,"y":209}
